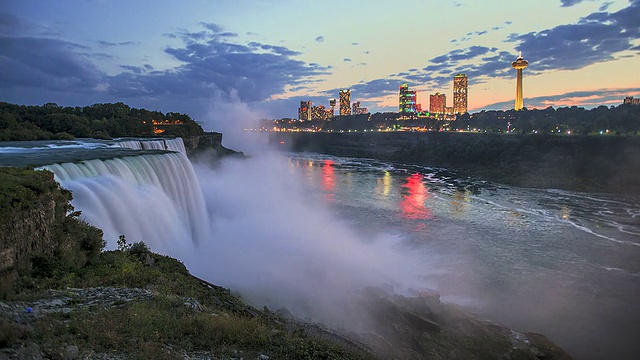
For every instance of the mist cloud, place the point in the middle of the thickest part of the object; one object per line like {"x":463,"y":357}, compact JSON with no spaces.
{"x":280,"y":246}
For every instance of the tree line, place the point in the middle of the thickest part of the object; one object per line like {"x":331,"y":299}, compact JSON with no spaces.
{"x":622,"y":119}
{"x":101,"y":121}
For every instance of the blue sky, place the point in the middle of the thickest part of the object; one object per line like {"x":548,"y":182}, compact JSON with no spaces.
{"x":260,"y":58}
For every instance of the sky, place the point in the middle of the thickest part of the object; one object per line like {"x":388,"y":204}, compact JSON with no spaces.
{"x":260,"y":58}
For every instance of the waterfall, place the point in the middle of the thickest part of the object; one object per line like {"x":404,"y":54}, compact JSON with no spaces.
{"x":175,"y":144}
{"x":154,"y":198}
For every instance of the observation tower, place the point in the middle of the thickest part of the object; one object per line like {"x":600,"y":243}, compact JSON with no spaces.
{"x":520,"y":64}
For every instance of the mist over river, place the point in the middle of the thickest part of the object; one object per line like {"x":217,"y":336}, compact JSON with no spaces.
{"x":305,"y":231}
{"x":563,"y":264}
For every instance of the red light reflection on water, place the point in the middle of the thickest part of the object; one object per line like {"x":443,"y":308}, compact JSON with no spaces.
{"x":328,"y":177}
{"x":413,"y":199}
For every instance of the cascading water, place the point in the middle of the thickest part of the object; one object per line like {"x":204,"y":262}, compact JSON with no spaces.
{"x":176,"y":144}
{"x":154,"y":198}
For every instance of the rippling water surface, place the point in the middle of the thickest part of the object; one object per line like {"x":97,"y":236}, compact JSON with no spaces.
{"x":560,"y":263}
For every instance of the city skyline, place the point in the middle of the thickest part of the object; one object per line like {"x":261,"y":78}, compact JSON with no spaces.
{"x":206,"y":58}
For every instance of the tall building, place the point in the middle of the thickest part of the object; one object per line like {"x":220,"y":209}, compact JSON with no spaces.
{"x":460,"y":87}
{"x":437,"y":103}
{"x":320,"y":113}
{"x":304,"y":111}
{"x":332,"y":104}
{"x":520,"y":64}
{"x":631,"y":100}
{"x":406,"y":100}
{"x":345,"y":102}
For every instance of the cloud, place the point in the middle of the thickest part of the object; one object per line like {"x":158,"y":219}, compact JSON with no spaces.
{"x":110,"y":44}
{"x":568,"y":3}
{"x":598,"y":37}
{"x":253,"y":71}
{"x":346,"y":60}
{"x":477,"y":33}
{"x":97,"y":55}
{"x":11,"y":25}
{"x":281,"y":50}
{"x":133,"y":69}
{"x":457,"y":55}
{"x":470,"y":35}
{"x":373,"y":88}
{"x":210,"y":64}
{"x":48,"y":63}
{"x":320,"y":39}
{"x":605,"y":6}
{"x":477,"y":62}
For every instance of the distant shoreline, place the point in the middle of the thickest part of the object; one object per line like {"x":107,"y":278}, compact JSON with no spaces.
{"x":579,"y":163}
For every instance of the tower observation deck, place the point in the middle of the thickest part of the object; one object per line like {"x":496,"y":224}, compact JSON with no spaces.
{"x":520,"y":64}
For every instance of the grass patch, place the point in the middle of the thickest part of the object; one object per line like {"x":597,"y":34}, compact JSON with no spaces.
{"x":164,"y":327}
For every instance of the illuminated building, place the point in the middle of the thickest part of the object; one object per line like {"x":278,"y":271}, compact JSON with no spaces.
{"x":437,"y":103}
{"x":332,"y":104}
{"x":354,"y":107}
{"x":520,"y":64}
{"x":345,"y":102}
{"x":460,"y":87}
{"x":304,"y":111}
{"x":631,"y":101}
{"x":449,"y":114}
{"x":320,"y":113}
{"x":406,"y":100}
{"x":357,"y":110}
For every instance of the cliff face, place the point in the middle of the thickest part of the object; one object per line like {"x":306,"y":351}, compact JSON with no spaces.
{"x":208,"y":144}
{"x":29,"y":213}
{"x":25,"y":233}
{"x":37,"y":223}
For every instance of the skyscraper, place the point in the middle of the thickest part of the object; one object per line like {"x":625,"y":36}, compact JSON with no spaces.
{"x":345,"y":102}
{"x":520,"y":64}
{"x":320,"y":113}
{"x":460,"y":85}
{"x":304,"y":111}
{"x":437,"y":103}
{"x":406,"y":100}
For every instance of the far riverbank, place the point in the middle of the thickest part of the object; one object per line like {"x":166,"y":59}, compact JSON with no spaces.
{"x":578,"y":163}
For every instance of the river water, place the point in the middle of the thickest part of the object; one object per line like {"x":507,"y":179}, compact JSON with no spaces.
{"x":560,"y":263}
{"x":556,"y":262}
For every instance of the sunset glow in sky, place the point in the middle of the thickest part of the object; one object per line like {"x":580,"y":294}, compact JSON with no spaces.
{"x":268,"y":55}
